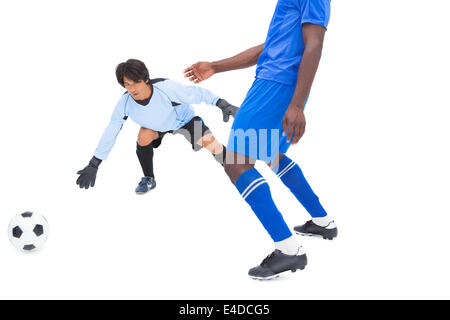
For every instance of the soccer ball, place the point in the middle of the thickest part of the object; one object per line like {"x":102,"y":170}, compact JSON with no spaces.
{"x":28,"y":231}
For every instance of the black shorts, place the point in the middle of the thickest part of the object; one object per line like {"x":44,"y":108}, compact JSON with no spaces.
{"x":192,"y":131}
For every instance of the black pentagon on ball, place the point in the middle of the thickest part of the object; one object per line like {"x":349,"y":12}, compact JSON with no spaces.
{"x":38,"y":230}
{"x":27,"y":214}
{"x":29,"y":247}
{"x":17,"y":232}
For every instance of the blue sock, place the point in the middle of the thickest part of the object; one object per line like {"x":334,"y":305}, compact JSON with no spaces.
{"x":255,"y":190}
{"x":292,"y":176}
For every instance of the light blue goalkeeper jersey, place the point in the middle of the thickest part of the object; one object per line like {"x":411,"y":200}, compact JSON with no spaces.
{"x":169,"y":108}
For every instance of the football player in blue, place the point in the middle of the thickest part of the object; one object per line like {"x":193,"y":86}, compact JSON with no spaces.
{"x":159,"y":106}
{"x":271,"y":119}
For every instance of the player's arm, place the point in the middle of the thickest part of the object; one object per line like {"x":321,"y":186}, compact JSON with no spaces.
{"x":88,"y":175}
{"x":203,"y":70}
{"x":294,"y":120}
{"x":197,"y":95}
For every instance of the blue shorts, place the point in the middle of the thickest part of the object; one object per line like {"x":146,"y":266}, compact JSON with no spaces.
{"x":257,"y":131}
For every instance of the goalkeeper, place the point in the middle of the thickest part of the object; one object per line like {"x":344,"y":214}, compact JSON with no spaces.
{"x":159,"y":106}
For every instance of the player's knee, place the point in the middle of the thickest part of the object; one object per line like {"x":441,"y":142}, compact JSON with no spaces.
{"x":210,"y":143}
{"x":216,"y":147}
{"x":230,"y":170}
{"x":234,"y":170}
{"x":146,"y":136}
{"x":274,"y":163}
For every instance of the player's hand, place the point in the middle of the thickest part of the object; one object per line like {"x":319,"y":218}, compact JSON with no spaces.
{"x":294,"y":123}
{"x":227,"y":109}
{"x":88,"y":174}
{"x":199,"y":71}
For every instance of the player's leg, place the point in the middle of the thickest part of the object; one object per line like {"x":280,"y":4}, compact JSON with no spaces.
{"x":256,"y":135}
{"x":210,"y":143}
{"x":200,"y":136}
{"x":144,"y":151}
{"x":254,"y":189}
{"x":292,"y":176}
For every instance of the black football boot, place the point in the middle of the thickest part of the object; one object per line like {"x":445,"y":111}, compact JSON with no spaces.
{"x":276,"y":263}
{"x":311,"y":229}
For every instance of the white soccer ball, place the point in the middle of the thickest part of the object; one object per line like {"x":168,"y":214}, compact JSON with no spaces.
{"x":28,"y":231}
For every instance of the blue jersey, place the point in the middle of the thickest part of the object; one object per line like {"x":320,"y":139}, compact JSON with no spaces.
{"x":169,"y":108}
{"x":284,"y":45}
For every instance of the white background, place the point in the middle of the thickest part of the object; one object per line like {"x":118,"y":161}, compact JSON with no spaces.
{"x":375,"y":151}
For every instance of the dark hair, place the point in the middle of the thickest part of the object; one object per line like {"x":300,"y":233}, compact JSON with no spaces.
{"x":133,"y":69}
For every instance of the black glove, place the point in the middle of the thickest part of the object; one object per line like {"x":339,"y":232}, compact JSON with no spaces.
{"x":88,"y":174}
{"x":227,"y":109}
